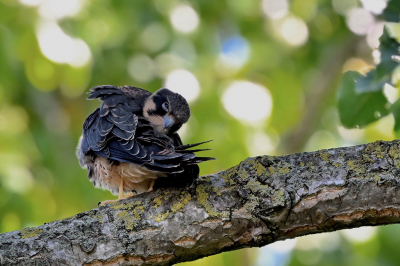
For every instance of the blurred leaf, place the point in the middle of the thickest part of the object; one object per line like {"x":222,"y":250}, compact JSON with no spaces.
{"x":376,"y":78}
{"x":359,"y":109}
{"x":392,"y":11}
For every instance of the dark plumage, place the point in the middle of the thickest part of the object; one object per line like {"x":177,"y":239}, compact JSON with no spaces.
{"x":131,"y":140}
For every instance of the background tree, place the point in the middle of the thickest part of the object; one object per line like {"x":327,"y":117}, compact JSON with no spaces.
{"x":261,"y":78}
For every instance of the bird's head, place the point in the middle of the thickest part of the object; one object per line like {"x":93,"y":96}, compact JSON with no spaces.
{"x":167,"y":111}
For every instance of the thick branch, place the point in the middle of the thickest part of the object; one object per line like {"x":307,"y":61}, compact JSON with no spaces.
{"x":259,"y":201}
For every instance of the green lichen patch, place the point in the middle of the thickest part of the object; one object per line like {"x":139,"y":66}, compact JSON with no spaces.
{"x":281,"y":168}
{"x":163,"y":197}
{"x":324,"y":155}
{"x":243,"y":174}
{"x":376,"y":149}
{"x":99,"y":217}
{"x":351,"y":165}
{"x":284,"y":170}
{"x":130,"y":215}
{"x":356,"y":166}
{"x":257,"y":187}
{"x":181,"y":202}
{"x":311,"y":165}
{"x":159,"y":217}
{"x":127,"y":206}
{"x":30,"y":232}
{"x":262,"y":166}
{"x":128,"y":220}
{"x":394,"y":153}
{"x":271,"y":170}
{"x":278,"y":198}
{"x":157,"y":201}
{"x":137,"y":211}
{"x":360,"y":170}
{"x":203,"y":195}
{"x":377,"y":178}
{"x":260,"y":170}
{"x":229,"y":174}
{"x":251,"y":204}
{"x":367,"y":158}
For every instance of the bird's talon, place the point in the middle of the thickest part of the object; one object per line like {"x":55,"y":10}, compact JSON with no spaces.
{"x":130,"y":194}
{"x":102,"y":203}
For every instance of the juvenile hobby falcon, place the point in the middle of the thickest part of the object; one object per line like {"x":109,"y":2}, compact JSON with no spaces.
{"x":131,"y":140}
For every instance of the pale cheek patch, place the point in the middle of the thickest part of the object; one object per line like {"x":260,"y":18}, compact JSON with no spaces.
{"x":155,"y":120}
{"x":148,"y":105}
{"x":157,"y":123}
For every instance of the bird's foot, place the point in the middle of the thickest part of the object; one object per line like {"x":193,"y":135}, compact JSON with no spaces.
{"x":128,"y":195}
{"x":102,"y":203}
{"x":151,"y":185}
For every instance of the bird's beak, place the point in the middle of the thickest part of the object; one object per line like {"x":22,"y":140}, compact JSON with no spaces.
{"x":167,"y":121}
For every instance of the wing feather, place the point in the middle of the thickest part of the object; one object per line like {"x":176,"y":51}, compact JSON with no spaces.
{"x":118,"y":131}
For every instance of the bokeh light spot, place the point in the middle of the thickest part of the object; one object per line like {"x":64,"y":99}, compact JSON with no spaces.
{"x":391,"y":93}
{"x":13,"y":119}
{"x":61,"y":48}
{"x":184,"y":18}
{"x":154,"y":37}
{"x":235,"y":52}
{"x":260,"y":143}
{"x":276,"y":253}
{"x":184,"y":49}
{"x":294,"y":31}
{"x":344,"y":6}
{"x":184,"y":83}
{"x":275,"y":9}
{"x":374,"y":6}
{"x":247,"y":101}
{"x":17,"y":178}
{"x":166,"y":63}
{"x":360,"y":235}
{"x":141,"y":68}
{"x":359,"y":21}
{"x":31,"y":2}
{"x":57,"y":9}
{"x":351,"y":136}
{"x":374,"y":33}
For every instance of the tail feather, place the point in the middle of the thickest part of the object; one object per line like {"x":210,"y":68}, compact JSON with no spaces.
{"x":188,"y":146}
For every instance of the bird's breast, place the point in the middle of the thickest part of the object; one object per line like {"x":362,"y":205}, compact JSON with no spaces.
{"x":135,"y":177}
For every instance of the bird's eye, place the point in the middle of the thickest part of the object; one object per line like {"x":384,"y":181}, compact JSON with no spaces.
{"x":165,"y":106}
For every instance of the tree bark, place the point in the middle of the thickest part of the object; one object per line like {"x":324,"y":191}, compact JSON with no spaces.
{"x":262,"y":200}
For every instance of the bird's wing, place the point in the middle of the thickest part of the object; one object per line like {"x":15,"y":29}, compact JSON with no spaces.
{"x":118,"y":131}
{"x":114,"y":119}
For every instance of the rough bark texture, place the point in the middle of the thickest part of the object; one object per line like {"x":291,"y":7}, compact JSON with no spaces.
{"x":259,"y":201}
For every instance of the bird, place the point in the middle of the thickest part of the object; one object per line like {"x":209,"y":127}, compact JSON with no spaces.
{"x":130,"y":145}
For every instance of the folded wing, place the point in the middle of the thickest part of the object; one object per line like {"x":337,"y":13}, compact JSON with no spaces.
{"x":118,"y":131}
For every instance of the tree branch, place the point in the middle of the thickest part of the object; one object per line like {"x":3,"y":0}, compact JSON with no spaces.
{"x":259,"y":201}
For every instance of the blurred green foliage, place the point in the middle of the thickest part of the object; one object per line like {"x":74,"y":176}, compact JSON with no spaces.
{"x":296,"y":51}
{"x":361,"y":98}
